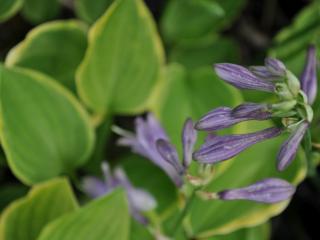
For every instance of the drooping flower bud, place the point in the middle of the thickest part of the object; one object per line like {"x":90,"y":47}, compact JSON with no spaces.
{"x":289,"y":148}
{"x":220,"y":148}
{"x":224,"y":117}
{"x":189,"y":137}
{"x":241,"y":77}
{"x":309,"y":76}
{"x":270,"y":190}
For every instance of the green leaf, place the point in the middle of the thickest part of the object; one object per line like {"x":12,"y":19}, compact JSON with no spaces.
{"x":44,"y":130}
{"x":209,"y":218}
{"x":106,"y":218}
{"x":37,"y":11}
{"x":189,"y":18}
{"x":261,"y":232}
{"x":232,"y":10}
{"x":291,"y":43}
{"x":205,"y":52}
{"x":123,"y":61}
{"x":54,"y":48}
{"x":193,"y":19}
{"x":91,"y":12}
{"x":8,"y":8}
{"x":139,"y":232}
{"x":24,"y":218}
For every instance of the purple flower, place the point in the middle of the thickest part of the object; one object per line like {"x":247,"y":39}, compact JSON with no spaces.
{"x":139,"y":200}
{"x":264,"y":73}
{"x":220,"y":148}
{"x":242,"y":78}
{"x":275,"y":66}
{"x":152,"y":142}
{"x":189,"y":137}
{"x":309,"y":76}
{"x":224,"y":117}
{"x":290,"y":147}
{"x":270,"y":190}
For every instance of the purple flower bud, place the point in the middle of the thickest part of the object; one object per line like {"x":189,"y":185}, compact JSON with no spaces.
{"x":169,"y":154}
{"x":221,"y":148}
{"x":309,"y":75}
{"x":290,"y":147}
{"x":242,"y":78}
{"x":276,"y":67}
{"x":252,"y":111}
{"x":263,"y":72}
{"x":189,"y":137}
{"x":224,"y":117}
{"x":270,"y":190}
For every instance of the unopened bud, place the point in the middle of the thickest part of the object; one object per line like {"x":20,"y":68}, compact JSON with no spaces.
{"x":293,"y":83}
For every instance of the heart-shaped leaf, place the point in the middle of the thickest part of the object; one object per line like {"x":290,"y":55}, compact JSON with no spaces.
{"x":24,"y":218}
{"x":123,"y":61}
{"x":44,"y":130}
{"x":106,"y":218}
{"x":54,"y":48}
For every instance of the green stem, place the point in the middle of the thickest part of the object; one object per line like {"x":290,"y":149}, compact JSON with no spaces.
{"x":179,"y":221}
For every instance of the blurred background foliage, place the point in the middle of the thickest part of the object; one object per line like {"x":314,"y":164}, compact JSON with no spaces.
{"x":73,"y":68}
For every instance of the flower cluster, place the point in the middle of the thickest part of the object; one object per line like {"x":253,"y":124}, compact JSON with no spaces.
{"x":152,"y":142}
{"x":139,"y":200}
{"x":294,"y":108}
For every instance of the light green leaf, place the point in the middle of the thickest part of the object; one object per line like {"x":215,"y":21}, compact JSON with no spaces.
{"x":91,"y":12}
{"x":24,"y":218}
{"x":37,"y":11}
{"x":209,"y":218}
{"x":205,"y":52}
{"x":54,"y":48}
{"x":106,"y":218}
{"x":44,"y":130}
{"x":123,"y":61}
{"x":8,"y":8}
{"x":260,"y":232}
